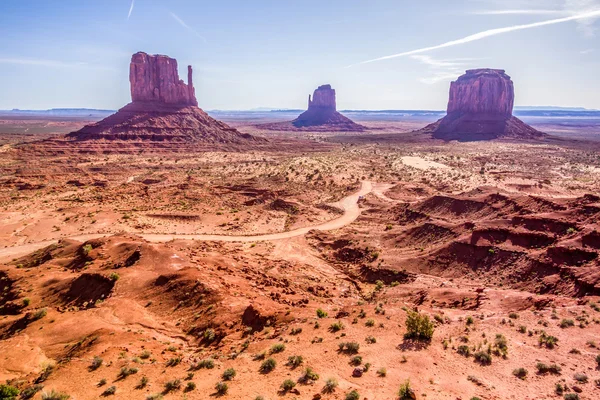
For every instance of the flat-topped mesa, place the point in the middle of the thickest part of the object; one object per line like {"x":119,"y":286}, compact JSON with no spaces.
{"x":154,"y":79}
{"x":323,"y":97}
{"x":480,"y":108}
{"x":482,"y":91}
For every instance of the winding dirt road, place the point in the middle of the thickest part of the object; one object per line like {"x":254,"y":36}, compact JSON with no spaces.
{"x":349,"y":204}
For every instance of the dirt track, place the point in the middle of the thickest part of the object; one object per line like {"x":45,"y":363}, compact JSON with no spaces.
{"x":349,"y":204}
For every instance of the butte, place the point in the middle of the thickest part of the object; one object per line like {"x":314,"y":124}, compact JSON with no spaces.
{"x":321,"y":115}
{"x":480,"y":108}
{"x":163,"y":115}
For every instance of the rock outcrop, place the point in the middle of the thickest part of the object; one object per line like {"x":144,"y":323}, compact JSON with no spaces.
{"x":480,"y":108}
{"x":321,"y":115}
{"x":163,"y":110}
{"x":154,"y":78}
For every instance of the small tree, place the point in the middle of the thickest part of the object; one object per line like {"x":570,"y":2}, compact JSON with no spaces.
{"x":419,"y":326}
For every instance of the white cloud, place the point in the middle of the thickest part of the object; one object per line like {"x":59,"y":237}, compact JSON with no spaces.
{"x":186,"y":26}
{"x":587,"y":51}
{"x":442,"y":70}
{"x":585,"y":25}
{"x":131,"y":9}
{"x":488,"y":33}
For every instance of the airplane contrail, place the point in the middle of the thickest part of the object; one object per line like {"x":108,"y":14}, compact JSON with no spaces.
{"x":131,"y":9}
{"x":486,"y":34}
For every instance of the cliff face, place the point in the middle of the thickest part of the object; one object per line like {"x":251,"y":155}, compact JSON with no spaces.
{"x":323,"y":97}
{"x":480,"y":108}
{"x":154,"y":78}
{"x":482,"y":91}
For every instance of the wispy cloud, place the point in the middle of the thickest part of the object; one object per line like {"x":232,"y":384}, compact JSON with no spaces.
{"x":587,"y":51}
{"x":585,"y":25}
{"x":521,"y":12}
{"x":486,"y":34}
{"x":131,"y":9}
{"x":441,"y":70}
{"x":186,"y":26}
{"x":51,"y":63}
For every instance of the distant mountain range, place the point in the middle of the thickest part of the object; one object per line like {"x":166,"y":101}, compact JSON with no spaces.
{"x":522,"y":111}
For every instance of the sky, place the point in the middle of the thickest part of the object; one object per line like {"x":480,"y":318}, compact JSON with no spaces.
{"x":380,"y":54}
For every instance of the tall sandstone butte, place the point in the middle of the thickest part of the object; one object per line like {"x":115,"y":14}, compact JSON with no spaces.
{"x":163,"y":109}
{"x":480,"y":108}
{"x":322,"y":113}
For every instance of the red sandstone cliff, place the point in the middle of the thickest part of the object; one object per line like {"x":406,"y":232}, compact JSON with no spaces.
{"x":480,"y":108}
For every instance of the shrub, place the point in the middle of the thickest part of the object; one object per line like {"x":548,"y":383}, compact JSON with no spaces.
{"x":321,"y":313}
{"x":125,"y":372}
{"x":295,"y":361}
{"x":228,"y":374}
{"x":39,"y":314}
{"x":8,"y":392}
{"x":207,"y":363}
{"x":110,"y":391}
{"x":190,"y":386}
{"x":296,"y":331}
{"x":598,"y":360}
{"x":405,"y":392}
{"x":172,"y":362}
{"x":567,"y":323}
{"x":470,"y":320}
{"x":268,"y":365}
{"x":356,"y":360}
{"x":145,"y":355}
{"x":26,"y":301}
{"x":102,"y":382}
{"x":544,"y":369}
{"x":483,"y":357}
{"x":170,"y":386}
{"x":370,"y":323}
{"x":54,"y":395}
{"x":28,"y":393}
{"x":47,"y":369}
{"x":309,"y":375}
{"x":419,"y":326}
{"x":464,"y":350}
{"x":288,"y":385}
{"x":548,"y":340}
{"x":353,"y":395}
{"x":520,"y":373}
{"x":156,"y":396}
{"x":571,"y":396}
{"x":330,"y":385}
{"x":209,"y":335}
{"x":370,"y":340}
{"x":277,"y":348}
{"x":581,"y":378}
{"x":143,"y":383}
{"x":221,"y":388}
{"x":513,"y":315}
{"x":96,"y":363}
{"x":114,"y":277}
{"x":336,"y":326}
{"x":382,"y":372}
{"x":349,"y":347}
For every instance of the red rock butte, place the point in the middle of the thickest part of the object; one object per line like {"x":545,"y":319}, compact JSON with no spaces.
{"x":480,"y":108}
{"x":163,"y":109}
{"x":321,"y":115}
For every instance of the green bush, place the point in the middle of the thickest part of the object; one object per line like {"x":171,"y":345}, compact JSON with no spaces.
{"x":221,"y":388}
{"x":483,"y":357}
{"x":520,"y":373}
{"x":321,"y":313}
{"x":353,"y":395}
{"x":419,"y":326}
{"x":544,"y":369}
{"x":288,"y":385}
{"x":54,"y":395}
{"x":567,"y":323}
{"x":547,"y":340}
{"x":268,"y":365}
{"x":295,"y":361}
{"x":277,"y":348}
{"x":173,"y":385}
{"x":336,"y":326}
{"x":111,"y":390}
{"x":228,"y":374}
{"x":29,"y":392}
{"x":8,"y":392}
{"x":405,"y":392}
{"x":309,"y":375}
{"x":330,"y":385}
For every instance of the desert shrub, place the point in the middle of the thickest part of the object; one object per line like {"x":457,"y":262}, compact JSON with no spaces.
{"x":483,"y":357}
{"x":47,"y":369}
{"x":598,"y":360}
{"x":26,"y":301}
{"x":581,"y":378}
{"x":321,"y":313}
{"x":567,"y":323}
{"x":419,"y":326}
{"x":382,"y":372}
{"x":190,"y":387}
{"x":513,"y":315}
{"x":96,"y":363}
{"x":500,"y":345}
{"x":8,"y":392}
{"x":309,"y":375}
{"x":470,"y":320}
{"x":156,"y":396}
{"x":126,"y":371}
{"x":221,"y":388}
{"x":39,"y":314}
{"x":145,"y":355}
{"x":172,"y":385}
{"x":143,"y":383}
{"x":353,"y":395}
{"x":520,"y":373}
{"x":295,"y":361}
{"x":268,"y":365}
{"x":405,"y":392}
{"x":349,"y":347}
{"x":114,"y":277}
{"x":547,"y":340}
{"x":172,"y":362}
{"x":296,"y":331}
{"x":544,"y":368}
{"x":370,"y":340}
{"x":208,"y":363}
{"x":209,"y":335}
{"x":111,"y":390}
{"x":54,"y":395}
{"x":277,"y":348}
{"x":101,"y":382}
{"x":370,"y":323}
{"x":330,"y":385}
{"x":336,"y":326}
{"x":228,"y":374}
{"x":356,"y":360}
{"x":522,"y":329}
{"x":28,"y":393}
{"x":288,"y":385}
{"x":464,"y":350}
{"x":571,"y":396}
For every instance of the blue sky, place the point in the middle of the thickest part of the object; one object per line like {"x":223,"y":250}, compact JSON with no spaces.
{"x":263,"y":53}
